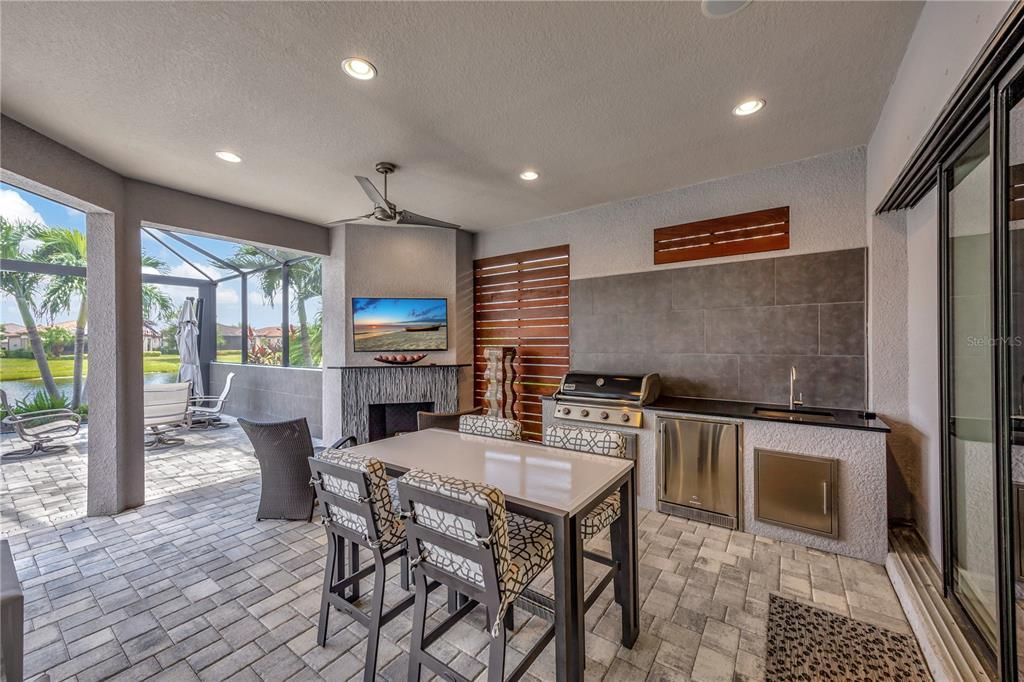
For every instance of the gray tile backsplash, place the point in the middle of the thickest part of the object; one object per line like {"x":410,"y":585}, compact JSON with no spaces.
{"x":732,"y":331}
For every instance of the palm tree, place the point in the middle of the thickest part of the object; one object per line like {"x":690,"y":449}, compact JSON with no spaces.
{"x":64,"y":246}
{"x":21,"y":286}
{"x":304,"y":282}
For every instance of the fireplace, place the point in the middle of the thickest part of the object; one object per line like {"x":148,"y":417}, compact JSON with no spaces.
{"x":389,"y":396}
{"x":390,"y":419}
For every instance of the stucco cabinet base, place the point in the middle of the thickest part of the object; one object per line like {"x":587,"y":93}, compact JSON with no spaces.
{"x":863,"y":526}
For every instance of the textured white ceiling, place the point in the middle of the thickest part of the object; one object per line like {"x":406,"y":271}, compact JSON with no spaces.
{"x":606,"y":100}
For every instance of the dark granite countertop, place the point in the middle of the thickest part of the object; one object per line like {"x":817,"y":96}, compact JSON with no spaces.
{"x":844,"y":419}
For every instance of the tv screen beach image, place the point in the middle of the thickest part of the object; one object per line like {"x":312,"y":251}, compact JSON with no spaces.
{"x":400,"y":324}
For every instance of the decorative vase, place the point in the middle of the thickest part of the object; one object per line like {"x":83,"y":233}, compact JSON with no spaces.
{"x":500,"y":374}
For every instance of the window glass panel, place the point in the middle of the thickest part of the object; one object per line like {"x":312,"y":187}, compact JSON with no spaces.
{"x":306,"y":311}
{"x":43,"y":335}
{"x":264,"y":312}
{"x":229,"y":321}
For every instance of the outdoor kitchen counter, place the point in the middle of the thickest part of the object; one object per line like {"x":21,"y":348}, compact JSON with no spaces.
{"x":844,"y":419}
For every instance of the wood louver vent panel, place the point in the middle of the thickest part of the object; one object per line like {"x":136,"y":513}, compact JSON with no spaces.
{"x":522,"y":300}
{"x":733,"y":235}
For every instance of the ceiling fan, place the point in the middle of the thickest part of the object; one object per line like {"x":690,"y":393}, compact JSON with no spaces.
{"x":387,"y":212}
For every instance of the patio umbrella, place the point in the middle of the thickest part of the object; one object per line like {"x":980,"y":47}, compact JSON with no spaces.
{"x":188,"y":347}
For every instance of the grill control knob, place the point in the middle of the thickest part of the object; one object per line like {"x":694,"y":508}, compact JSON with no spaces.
{"x":566,"y":410}
{"x":625,"y":417}
{"x":604,"y":415}
{"x":584,"y":413}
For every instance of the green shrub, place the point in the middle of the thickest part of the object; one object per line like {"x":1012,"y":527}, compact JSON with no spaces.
{"x":40,"y":400}
{"x":21,"y":353}
{"x":151,"y":354}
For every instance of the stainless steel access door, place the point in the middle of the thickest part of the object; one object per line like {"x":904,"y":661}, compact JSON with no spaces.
{"x":697,"y":462}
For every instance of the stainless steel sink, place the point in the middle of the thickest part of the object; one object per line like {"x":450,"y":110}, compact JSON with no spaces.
{"x":795,"y":415}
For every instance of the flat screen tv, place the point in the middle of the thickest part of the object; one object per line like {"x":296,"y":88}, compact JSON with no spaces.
{"x":399,"y":324}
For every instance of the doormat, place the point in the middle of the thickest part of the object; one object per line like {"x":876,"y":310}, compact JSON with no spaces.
{"x":806,"y":643}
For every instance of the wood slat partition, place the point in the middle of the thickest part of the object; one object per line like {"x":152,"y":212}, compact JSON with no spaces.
{"x":752,"y":232}
{"x":522,"y":300}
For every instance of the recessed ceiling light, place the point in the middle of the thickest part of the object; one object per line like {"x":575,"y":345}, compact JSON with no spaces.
{"x":529,"y":175}
{"x":230,"y":157}
{"x":751,"y":106}
{"x":719,"y":9}
{"x":359,"y":68}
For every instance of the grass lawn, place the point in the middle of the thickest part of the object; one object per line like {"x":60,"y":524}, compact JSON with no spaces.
{"x":23,"y":369}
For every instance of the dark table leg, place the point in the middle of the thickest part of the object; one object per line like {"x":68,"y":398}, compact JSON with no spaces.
{"x":624,"y":551}
{"x":570,"y":642}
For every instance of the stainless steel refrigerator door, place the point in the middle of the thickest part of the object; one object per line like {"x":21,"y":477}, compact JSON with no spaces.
{"x":698,"y":460}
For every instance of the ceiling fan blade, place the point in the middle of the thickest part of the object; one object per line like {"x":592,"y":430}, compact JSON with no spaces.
{"x":349,"y":220}
{"x":375,"y":196}
{"x":410,"y":218}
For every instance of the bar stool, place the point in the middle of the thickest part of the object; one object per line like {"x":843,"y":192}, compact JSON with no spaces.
{"x":495,"y":427}
{"x":358,"y":506}
{"x":596,"y":442}
{"x":461,"y":535}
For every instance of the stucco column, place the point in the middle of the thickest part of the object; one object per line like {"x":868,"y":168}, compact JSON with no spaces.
{"x":335,"y":340}
{"x":116,"y":469}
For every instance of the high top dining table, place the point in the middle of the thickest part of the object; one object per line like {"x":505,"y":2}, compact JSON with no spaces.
{"x":556,"y":486}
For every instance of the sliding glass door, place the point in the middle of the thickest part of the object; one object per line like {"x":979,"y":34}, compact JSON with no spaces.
{"x":971,"y":447}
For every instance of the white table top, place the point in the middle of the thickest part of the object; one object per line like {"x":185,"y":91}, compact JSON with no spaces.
{"x":528,"y":473}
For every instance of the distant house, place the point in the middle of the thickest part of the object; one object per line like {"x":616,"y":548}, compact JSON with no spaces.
{"x":13,"y":336}
{"x":268,"y":335}
{"x":229,"y":337}
{"x":151,"y":338}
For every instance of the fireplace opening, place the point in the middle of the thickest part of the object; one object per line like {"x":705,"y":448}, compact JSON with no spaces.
{"x":391,"y":419}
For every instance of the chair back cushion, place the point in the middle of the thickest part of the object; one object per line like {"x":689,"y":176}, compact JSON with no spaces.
{"x":388,"y":528}
{"x":495,"y":427}
{"x":582,"y":439}
{"x":461,"y":528}
{"x":227,"y":387}
{"x":165,"y":403}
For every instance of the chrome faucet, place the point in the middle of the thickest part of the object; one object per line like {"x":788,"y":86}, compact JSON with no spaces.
{"x":797,"y":402}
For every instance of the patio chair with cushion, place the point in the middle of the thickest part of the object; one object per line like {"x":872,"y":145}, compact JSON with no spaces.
{"x":39,"y":428}
{"x":205,"y":410}
{"x":165,"y":411}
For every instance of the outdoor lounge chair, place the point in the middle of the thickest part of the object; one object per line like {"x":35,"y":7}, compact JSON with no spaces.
{"x":40,"y":428}
{"x":165,"y":410}
{"x":205,"y":410}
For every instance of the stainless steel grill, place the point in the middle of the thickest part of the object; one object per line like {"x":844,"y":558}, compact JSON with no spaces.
{"x":606,"y":398}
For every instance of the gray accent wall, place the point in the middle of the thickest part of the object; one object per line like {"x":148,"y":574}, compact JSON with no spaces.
{"x":732,"y":331}
{"x":264,"y":393}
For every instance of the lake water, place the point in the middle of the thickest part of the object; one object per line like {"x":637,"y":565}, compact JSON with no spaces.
{"x":17,"y":390}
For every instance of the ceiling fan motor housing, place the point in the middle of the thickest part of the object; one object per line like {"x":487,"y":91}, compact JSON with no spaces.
{"x":386,"y":167}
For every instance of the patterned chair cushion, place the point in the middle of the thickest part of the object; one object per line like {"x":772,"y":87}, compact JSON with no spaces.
{"x":602,"y":516}
{"x":383,"y":509}
{"x":522,"y":547}
{"x":495,"y":427}
{"x":597,"y":442}
{"x":581,"y":439}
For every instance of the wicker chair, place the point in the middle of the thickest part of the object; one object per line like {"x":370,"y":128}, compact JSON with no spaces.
{"x":283,"y":450}
{"x":443,"y":420}
{"x":461,"y":536}
{"x":494,"y":427}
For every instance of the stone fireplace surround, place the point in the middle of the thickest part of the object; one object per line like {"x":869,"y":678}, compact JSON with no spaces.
{"x":363,"y":386}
